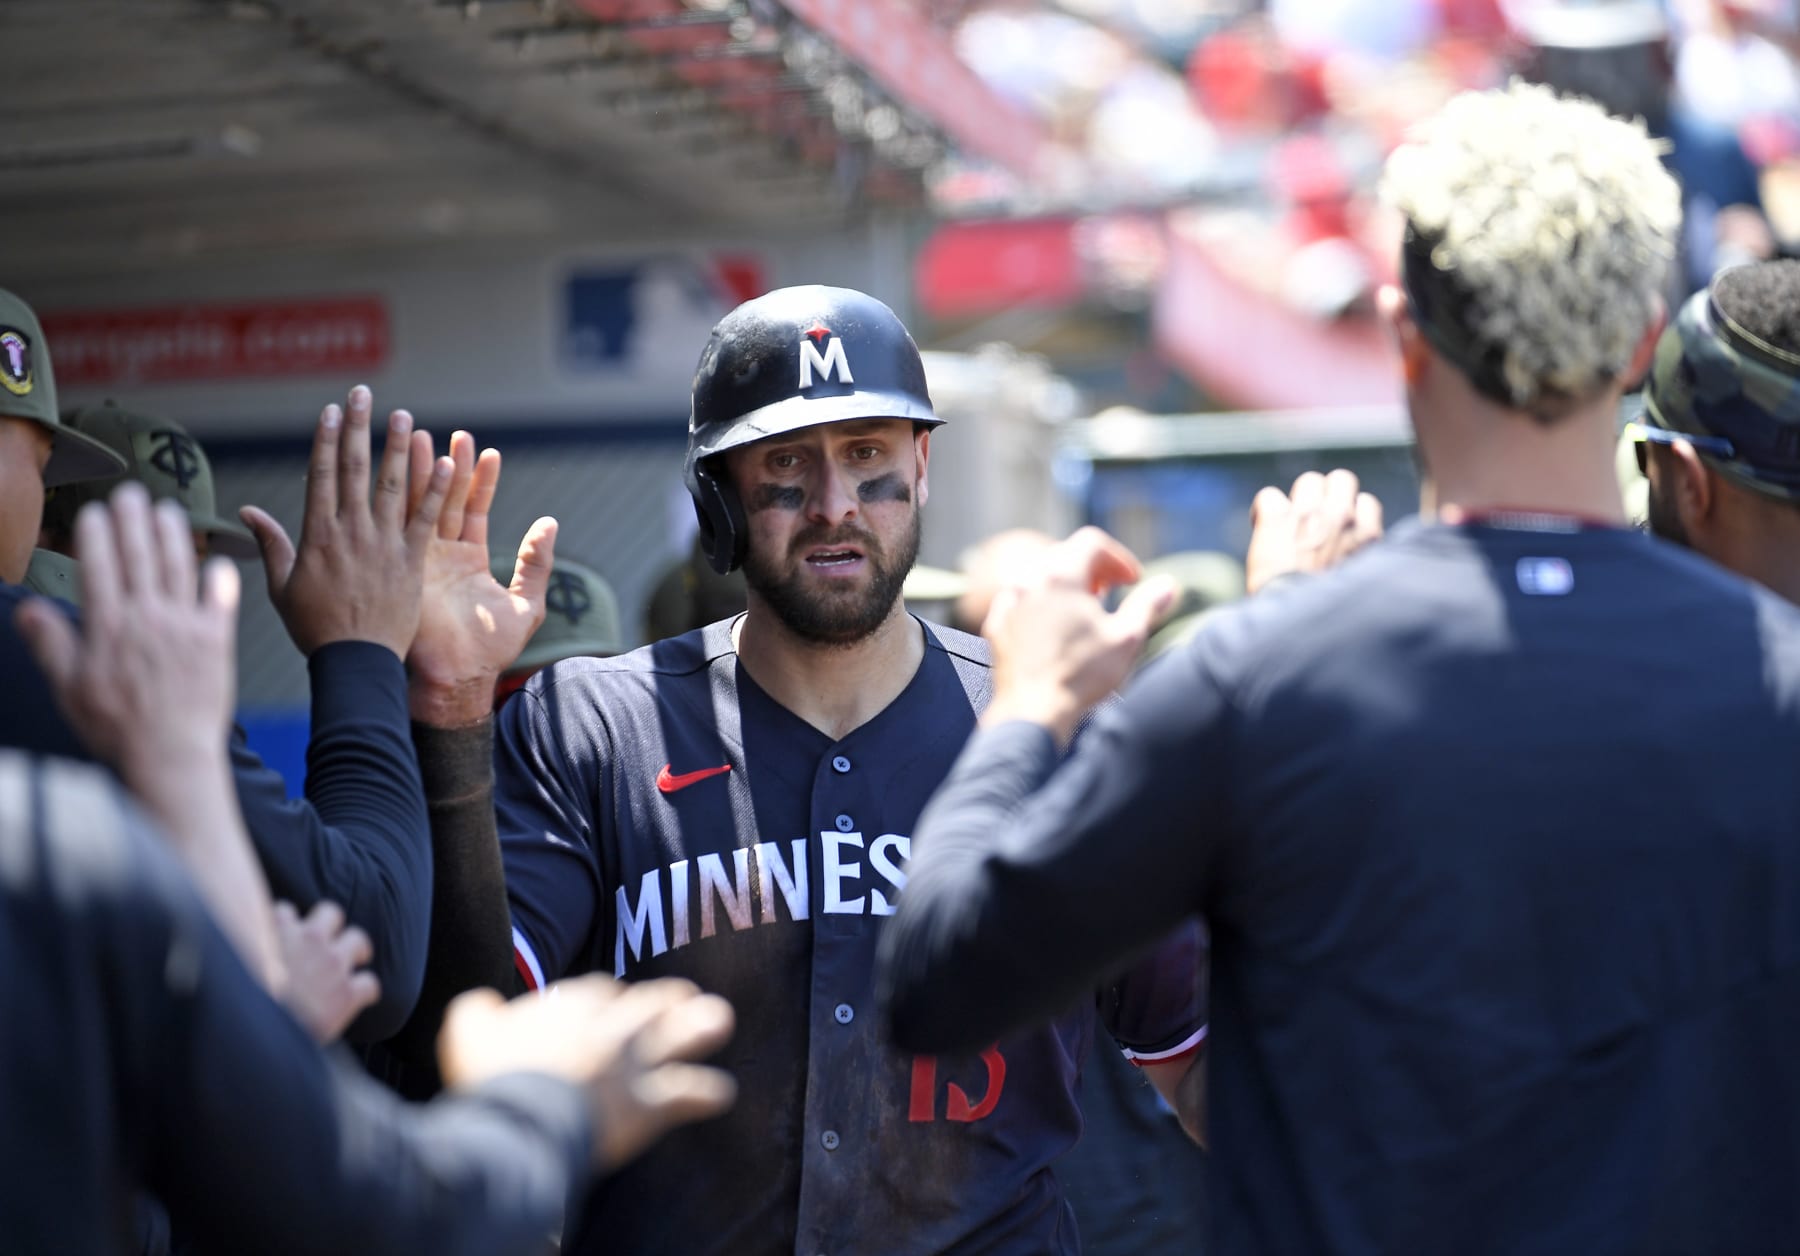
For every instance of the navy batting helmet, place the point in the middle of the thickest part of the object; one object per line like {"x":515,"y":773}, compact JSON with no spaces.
{"x":793,"y":358}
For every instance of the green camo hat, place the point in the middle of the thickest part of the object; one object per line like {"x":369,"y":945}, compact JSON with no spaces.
{"x":159,"y":454}
{"x":1206,"y":580}
{"x":54,"y":575}
{"x":1715,"y":381}
{"x":28,"y":391}
{"x":581,"y":616}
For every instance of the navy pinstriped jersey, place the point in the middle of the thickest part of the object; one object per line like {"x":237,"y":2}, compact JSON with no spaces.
{"x":661,"y":815}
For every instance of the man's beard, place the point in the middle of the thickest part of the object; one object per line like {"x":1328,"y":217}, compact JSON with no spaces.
{"x":835,"y":616}
{"x":1665,"y":520}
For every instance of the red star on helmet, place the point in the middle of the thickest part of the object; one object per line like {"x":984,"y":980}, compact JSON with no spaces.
{"x":818,"y":331}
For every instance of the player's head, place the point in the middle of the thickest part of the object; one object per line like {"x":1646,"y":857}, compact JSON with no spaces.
{"x":1721,"y":427}
{"x":36,"y":450}
{"x":807,"y":450}
{"x":1538,"y":233}
{"x":159,"y":454}
{"x":581,"y":617}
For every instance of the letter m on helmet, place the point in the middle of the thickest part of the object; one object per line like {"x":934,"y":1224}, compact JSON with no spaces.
{"x":831,"y":361}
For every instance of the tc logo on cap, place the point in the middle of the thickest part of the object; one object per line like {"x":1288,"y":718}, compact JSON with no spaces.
{"x":15,"y":361}
{"x":176,"y":456}
{"x":831,"y":361}
{"x":567,"y":596}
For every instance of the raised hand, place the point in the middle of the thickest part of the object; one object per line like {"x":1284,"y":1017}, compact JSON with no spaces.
{"x":148,"y":685}
{"x":326,"y":961}
{"x":360,"y":568}
{"x":1324,"y":521}
{"x":628,"y":1046}
{"x":149,"y":681}
{"x":472,"y":627}
{"x":1056,"y":650}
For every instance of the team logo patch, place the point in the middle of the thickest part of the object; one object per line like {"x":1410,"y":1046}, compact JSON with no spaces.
{"x":175,"y":455}
{"x":567,"y":596}
{"x":15,"y":361}
{"x":829,"y":362}
{"x":1546,"y":577}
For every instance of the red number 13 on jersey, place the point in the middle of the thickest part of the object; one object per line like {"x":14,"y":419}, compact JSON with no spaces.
{"x":923,"y":1103}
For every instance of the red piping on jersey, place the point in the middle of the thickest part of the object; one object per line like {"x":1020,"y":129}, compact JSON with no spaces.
{"x":524,"y":970}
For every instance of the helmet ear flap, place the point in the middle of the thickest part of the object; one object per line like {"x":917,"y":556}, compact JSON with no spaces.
{"x":724,"y":530}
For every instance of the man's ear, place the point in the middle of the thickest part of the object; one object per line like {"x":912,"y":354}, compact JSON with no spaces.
{"x":922,"y":447}
{"x":1392,"y":305}
{"x":1695,"y":493}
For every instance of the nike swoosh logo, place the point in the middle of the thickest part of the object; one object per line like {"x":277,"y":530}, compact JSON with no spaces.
{"x":669,"y":783}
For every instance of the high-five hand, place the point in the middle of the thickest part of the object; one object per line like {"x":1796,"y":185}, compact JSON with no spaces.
{"x":472,"y":627}
{"x":360,"y":567}
{"x":1057,"y":651}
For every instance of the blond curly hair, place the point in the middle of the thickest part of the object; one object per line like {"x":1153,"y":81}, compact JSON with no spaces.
{"x":1558,"y":224}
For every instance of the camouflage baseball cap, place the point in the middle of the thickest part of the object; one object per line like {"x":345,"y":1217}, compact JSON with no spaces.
{"x":1206,"y":580}
{"x":1736,"y":396}
{"x":54,"y":575}
{"x":159,"y":454}
{"x":28,"y":391}
{"x":581,"y":616}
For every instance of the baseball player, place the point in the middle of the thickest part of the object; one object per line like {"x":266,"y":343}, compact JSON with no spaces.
{"x":1720,"y":436}
{"x":159,"y":454}
{"x":1493,"y":823}
{"x":735,"y":804}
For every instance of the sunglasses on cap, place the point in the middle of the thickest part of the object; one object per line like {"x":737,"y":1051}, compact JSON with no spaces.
{"x":1644,"y":433}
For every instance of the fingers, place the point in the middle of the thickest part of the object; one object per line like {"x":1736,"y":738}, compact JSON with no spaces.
{"x":391,"y":484}
{"x":99,"y":559}
{"x":353,"y":455}
{"x":1093,"y":560}
{"x":286,"y":918}
{"x":1369,"y":523}
{"x":1144,"y":608}
{"x":688,"y":1026}
{"x":531,"y":570}
{"x":422,"y":526}
{"x":134,"y":539}
{"x":277,"y":549}
{"x":1340,"y":497}
{"x":354,"y":946}
{"x":481,"y":497}
{"x":1308,"y":493}
{"x":221,"y":588}
{"x":52,"y":641}
{"x":174,"y":541}
{"x":327,"y":917}
{"x":680,"y":1093}
{"x":462,"y":453}
{"x":322,"y":476}
{"x":418,"y":476}
{"x":1268,"y":505}
{"x":365,"y":988}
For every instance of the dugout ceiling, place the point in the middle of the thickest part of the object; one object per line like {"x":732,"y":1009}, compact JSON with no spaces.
{"x":149,"y":134}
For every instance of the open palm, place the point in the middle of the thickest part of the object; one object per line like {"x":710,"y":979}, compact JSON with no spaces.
{"x":472,"y":627}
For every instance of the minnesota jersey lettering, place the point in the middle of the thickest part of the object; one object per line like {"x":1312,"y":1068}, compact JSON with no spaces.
{"x":759,"y":876}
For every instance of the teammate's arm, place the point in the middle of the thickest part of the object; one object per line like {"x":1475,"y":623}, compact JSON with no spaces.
{"x":1028,"y":884}
{"x":349,"y":596}
{"x":1182,"y":1084}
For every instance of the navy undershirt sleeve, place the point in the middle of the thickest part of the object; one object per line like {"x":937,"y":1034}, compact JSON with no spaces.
{"x":1030,"y":882}
{"x":361,"y":837}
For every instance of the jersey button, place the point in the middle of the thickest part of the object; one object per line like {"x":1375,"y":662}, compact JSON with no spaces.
{"x":840,"y":764}
{"x":829,"y":1140}
{"x":845,"y":824}
{"x":844,"y":1013}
